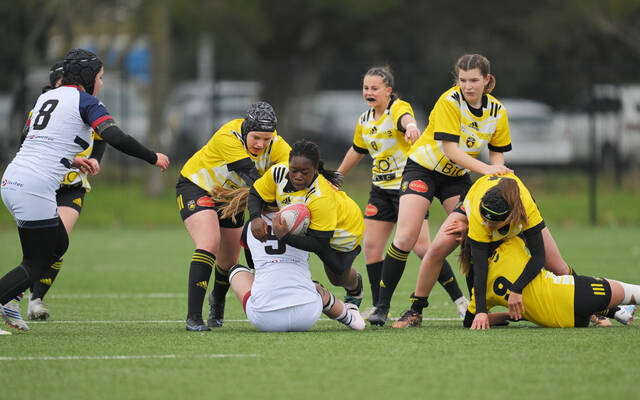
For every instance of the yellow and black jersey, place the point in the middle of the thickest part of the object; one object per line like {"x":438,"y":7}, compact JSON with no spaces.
{"x":208,"y":167}
{"x":452,"y":119}
{"x":331,"y":210}
{"x":75,"y":177}
{"x":384,"y":140}
{"x":548,"y":299}
{"x":478,"y":229}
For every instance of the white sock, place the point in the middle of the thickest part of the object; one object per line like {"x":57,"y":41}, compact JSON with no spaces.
{"x":631,"y":293}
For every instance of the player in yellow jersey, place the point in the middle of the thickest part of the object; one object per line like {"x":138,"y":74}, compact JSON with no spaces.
{"x":336,"y":227}
{"x":557,"y":301}
{"x":237,"y":154}
{"x":70,"y":200}
{"x":386,"y":131}
{"x":464,"y":120}
{"x":496,"y":208}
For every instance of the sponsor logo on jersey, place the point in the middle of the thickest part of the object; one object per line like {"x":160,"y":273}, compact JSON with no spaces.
{"x":370,"y":210}
{"x":206,"y":201}
{"x":474,"y":125}
{"x":418,"y":186}
{"x":12,"y":183}
{"x":286,"y":200}
{"x":374,"y":130}
{"x":191,"y":205}
{"x":78,"y":201}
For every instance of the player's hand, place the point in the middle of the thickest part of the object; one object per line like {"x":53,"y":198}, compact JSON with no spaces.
{"x":86,"y":165}
{"x":279,"y":227}
{"x":498,"y":169}
{"x":259,"y":229}
{"x":516,"y":308}
{"x":456,"y":228}
{"x":412,"y":134}
{"x":480,"y":322}
{"x":162,"y":162}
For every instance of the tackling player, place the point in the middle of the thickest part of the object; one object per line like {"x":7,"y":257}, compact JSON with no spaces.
{"x":386,"y":131}
{"x":60,"y":128}
{"x":237,"y":154}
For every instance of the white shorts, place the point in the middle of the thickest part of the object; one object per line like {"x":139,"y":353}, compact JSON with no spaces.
{"x":291,"y":319}
{"x":30,"y":198}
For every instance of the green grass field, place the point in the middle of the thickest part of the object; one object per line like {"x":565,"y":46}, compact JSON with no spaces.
{"x":118,"y":309}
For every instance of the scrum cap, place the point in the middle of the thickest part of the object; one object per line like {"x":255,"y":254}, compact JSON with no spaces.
{"x":261,"y":117}
{"x":493,"y":206}
{"x":55,"y":73}
{"x":81,"y":66}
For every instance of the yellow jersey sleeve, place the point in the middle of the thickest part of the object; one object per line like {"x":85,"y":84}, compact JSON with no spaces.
{"x":358,"y":139}
{"x":280,"y":151}
{"x":446,"y":117}
{"x":398,"y":109}
{"x":266,"y":186}
{"x":502,"y":136}
{"x":323,"y":212}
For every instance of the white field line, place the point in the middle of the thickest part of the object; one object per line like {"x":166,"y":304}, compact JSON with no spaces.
{"x":178,"y":321}
{"x":123,"y":357}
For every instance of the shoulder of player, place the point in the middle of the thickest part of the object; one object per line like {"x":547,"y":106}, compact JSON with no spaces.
{"x":279,"y":172}
{"x":494,"y":105}
{"x":452,"y":95}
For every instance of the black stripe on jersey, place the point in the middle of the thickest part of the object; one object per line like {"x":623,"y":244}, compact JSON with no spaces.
{"x":456,"y":97}
{"x":447,"y":137}
{"x":360,"y":150}
{"x":400,"y":128}
{"x":279,"y":173}
{"x":309,"y":193}
{"x":494,"y":109}
{"x":499,"y":149}
{"x":80,"y":141}
{"x":65,"y":162}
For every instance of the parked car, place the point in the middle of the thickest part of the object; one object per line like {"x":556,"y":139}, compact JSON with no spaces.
{"x":195,"y":110}
{"x":617,"y":126}
{"x":535,"y":135}
{"x":330,"y":117}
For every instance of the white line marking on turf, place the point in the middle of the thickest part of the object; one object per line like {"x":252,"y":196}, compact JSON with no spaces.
{"x":141,"y":321}
{"x":122,"y":357}
{"x":118,"y":296}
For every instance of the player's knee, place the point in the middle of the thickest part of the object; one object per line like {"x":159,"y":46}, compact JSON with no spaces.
{"x":237,"y":269}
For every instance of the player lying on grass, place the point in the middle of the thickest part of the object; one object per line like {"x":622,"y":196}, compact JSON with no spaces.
{"x":280,"y":296}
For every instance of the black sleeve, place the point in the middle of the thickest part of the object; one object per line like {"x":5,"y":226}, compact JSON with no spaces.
{"x":447,"y":137}
{"x":246,"y":169}
{"x":245,"y":247}
{"x":535,"y":244}
{"x":127,"y":144}
{"x":480,"y":257}
{"x":468,"y":319}
{"x":254,"y":204}
{"x":500,"y":149}
{"x":98,"y":149}
{"x":314,"y":241}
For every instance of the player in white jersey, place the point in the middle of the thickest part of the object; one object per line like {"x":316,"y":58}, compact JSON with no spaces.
{"x":61,"y":127}
{"x":281,"y":296}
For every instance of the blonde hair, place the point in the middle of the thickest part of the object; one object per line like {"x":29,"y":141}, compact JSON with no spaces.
{"x":472,"y":61}
{"x":234,"y":201}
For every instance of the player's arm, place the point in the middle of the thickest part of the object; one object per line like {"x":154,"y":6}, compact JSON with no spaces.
{"x":460,"y":157}
{"x":480,"y":257}
{"x":317,"y":242}
{"x":535,"y":244}
{"x":99,"y":146}
{"x":353,"y":157}
{"x":246,"y":169}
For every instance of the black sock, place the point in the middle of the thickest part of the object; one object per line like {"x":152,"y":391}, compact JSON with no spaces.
{"x":418,"y":303}
{"x":374,"y":271}
{"x":610,"y":313}
{"x":40,"y":287}
{"x":199,"y":273}
{"x":13,"y":283}
{"x":220,"y":284}
{"x":392,"y":269}
{"x":448,"y":281}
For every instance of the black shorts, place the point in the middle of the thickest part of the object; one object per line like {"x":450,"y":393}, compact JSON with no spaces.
{"x":71,"y":196}
{"x":345,"y":260}
{"x":416,"y":179}
{"x":383,"y":205}
{"x":192,"y":198}
{"x":592,"y":295}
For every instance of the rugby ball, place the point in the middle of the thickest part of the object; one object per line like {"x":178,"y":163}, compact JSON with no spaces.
{"x":297,"y":217}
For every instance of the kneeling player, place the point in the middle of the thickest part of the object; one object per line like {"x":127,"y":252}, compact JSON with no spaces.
{"x":280,"y":296}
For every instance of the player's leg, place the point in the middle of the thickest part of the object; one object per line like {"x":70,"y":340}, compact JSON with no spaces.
{"x":227,"y":257}
{"x":376,"y":235}
{"x":69,"y":206}
{"x":241,"y":279}
{"x":334,"y":308}
{"x":411,"y":214}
